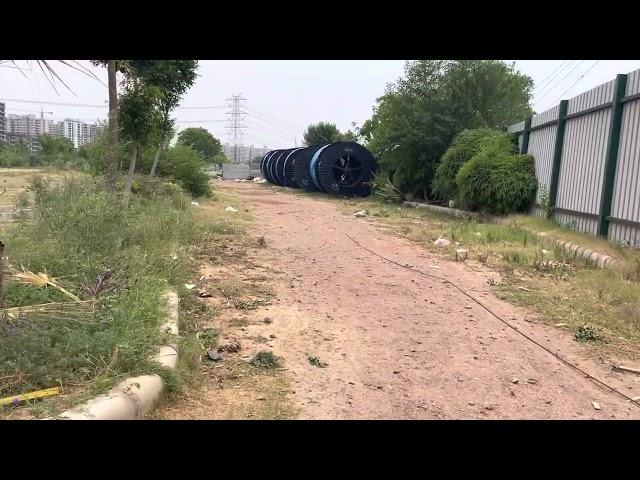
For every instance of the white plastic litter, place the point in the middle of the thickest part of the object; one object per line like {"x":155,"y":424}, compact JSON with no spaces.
{"x":442,"y":242}
{"x":189,"y":286}
{"x":361,"y":213}
{"x":230,"y":209}
{"x":195,"y":204}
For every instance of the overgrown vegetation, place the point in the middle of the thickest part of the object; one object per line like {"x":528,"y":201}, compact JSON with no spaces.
{"x":266,"y":359}
{"x":464,"y":147}
{"x":79,"y":234}
{"x":497,"y":181}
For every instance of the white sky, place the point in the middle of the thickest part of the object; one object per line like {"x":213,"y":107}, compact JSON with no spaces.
{"x":283,"y":96}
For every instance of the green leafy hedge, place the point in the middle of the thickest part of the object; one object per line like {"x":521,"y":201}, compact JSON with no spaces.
{"x":465,"y":146}
{"x":497,"y":181}
{"x":184,"y":165}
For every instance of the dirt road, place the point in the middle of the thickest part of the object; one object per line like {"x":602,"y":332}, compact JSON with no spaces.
{"x":399,"y":345}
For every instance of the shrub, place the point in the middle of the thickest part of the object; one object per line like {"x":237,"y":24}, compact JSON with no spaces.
{"x":465,"y":146}
{"x":382,"y":187}
{"x":497,"y":181}
{"x":184,"y":165}
{"x":14,"y":156}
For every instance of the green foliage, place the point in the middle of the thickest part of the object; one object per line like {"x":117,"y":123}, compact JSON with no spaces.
{"x":184,"y":165}
{"x":77,"y":232}
{"x":201,"y":140}
{"x":324,"y":132}
{"x":265,"y":359}
{"x":137,"y":115}
{"x":382,"y":187}
{"x":14,"y":155}
{"x":497,"y":181}
{"x":53,"y":147}
{"x":416,"y":119}
{"x":465,"y":145}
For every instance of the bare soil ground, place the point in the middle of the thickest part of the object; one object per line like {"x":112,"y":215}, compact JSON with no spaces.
{"x":396,"y":344}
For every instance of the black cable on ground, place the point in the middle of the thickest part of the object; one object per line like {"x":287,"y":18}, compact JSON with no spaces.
{"x":566,"y":362}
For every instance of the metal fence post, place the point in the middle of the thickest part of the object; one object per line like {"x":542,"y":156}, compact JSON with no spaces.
{"x":611,"y":160}
{"x":557,"y":156}
{"x":525,"y":136}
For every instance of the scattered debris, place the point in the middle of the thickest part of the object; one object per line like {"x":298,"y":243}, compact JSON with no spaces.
{"x":361,"y":213}
{"x":433,"y":266}
{"x":189,"y":286}
{"x":195,"y":204}
{"x":524,"y":289}
{"x":230,"y":209}
{"x":313,"y":360}
{"x":18,"y":399}
{"x":561,"y":324}
{"x":232,"y":347}
{"x":259,"y":180}
{"x":214,"y":356}
{"x":623,"y":368}
{"x":205,"y":294}
{"x":596,"y":405}
{"x":38,"y":280}
{"x":461,"y":254}
{"x":101,"y":284}
{"x":442,"y":242}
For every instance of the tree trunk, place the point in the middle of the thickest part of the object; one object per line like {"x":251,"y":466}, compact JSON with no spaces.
{"x":132,"y":168}
{"x":112,"y":166}
{"x":156,"y":160}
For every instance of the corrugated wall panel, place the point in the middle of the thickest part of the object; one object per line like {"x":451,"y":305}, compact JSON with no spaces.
{"x":592,"y":98}
{"x":541,"y":144}
{"x":546,"y":116}
{"x":633,"y":82}
{"x":518,"y":127}
{"x":578,"y":222}
{"x":582,"y":165}
{"x":626,"y":189}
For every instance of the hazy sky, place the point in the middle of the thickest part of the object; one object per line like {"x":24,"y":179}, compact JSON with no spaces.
{"x":283,"y":97}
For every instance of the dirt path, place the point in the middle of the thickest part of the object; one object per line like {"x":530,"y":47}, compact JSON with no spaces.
{"x":400,"y":345}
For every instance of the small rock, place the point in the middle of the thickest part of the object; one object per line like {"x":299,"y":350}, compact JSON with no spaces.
{"x":548,"y":402}
{"x":351,"y":383}
{"x":214,"y":356}
{"x":442,"y":242}
{"x":514,"y":380}
{"x":596,"y":405}
{"x":395,"y":372}
{"x":468,"y":307}
{"x":189,"y":286}
{"x":205,"y":295}
{"x":471,"y":403}
{"x":360,"y":214}
{"x":267,"y":320}
{"x":532,"y":381}
{"x":272,"y":336}
{"x":489,"y":407}
{"x":261,"y":398}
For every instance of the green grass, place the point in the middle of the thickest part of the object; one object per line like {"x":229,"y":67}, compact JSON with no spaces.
{"x":77,"y":231}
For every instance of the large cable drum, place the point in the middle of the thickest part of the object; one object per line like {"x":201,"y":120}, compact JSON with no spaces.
{"x":263,"y":163}
{"x":271,"y":167}
{"x":288,"y":166}
{"x":279,"y":167}
{"x":343,"y":168}
{"x":301,"y":174}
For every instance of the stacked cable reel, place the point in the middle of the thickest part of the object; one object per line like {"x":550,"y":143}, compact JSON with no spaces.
{"x":344,"y":169}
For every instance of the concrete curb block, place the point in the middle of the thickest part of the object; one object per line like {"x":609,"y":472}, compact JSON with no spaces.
{"x":597,"y":259}
{"x":134,"y":397}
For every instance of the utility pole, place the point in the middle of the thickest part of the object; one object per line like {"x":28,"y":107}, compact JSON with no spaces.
{"x":236,"y":117}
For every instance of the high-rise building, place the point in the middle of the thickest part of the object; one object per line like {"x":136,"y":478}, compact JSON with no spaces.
{"x":20,"y":125}
{"x":2,"y":121}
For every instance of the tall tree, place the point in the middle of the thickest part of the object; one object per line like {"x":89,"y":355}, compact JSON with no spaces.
{"x":321,"y":133}
{"x":172,"y":79}
{"x":201,"y":140}
{"x":415,"y":120}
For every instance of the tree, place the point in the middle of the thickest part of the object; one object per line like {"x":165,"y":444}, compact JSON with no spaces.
{"x":201,"y":140}
{"x":172,"y":78}
{"x":138,"y":117}
{"x":51,"y":147}
{"x":322,"y":133}
{"x":415,"y":120}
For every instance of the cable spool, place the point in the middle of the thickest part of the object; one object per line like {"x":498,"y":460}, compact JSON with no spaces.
{"x":263,"y":163}
{"x":301,"y":174}
{"x":272,"y":166}
{"x":265,"y":166}
{"x":279,"y":167}
{"x":288,"y":167}
{"x":343,"y":168}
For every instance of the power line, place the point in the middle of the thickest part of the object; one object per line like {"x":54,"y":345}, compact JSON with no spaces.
{"x":268,"y":130}
{"x":200,"y":121}
{"x":297,"y":127}
{"x":271,"y":122}
{"x":553,"y":74}
{"x":235,"y":121}
{"x":558,"y":83}
{"x":573,"y":84}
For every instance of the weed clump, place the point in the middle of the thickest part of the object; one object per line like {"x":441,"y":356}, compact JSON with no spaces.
{"x":266,"y":359}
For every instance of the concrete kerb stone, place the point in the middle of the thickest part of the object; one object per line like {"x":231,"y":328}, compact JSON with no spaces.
{"x":598,"y":259}
{"x":134,"y":397}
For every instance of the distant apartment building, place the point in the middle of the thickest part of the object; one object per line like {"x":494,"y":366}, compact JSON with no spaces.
{"x":29,"y":141}
{"x":245,"y":153}
{"x":2,"y":122}
{"x":20,"y":125}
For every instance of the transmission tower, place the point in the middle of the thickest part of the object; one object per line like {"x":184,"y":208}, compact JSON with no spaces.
{"x":236,"y":119}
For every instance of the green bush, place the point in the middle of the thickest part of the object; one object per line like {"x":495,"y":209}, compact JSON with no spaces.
{"x":184,"y":165}
{"x":497,"y":181}
{"x":14,"y":156}
{"x":466,"y":145}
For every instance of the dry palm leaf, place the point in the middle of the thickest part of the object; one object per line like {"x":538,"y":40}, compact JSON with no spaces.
{"x":67,"y":309}
{"x":39,"y":280}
